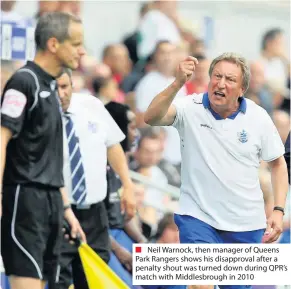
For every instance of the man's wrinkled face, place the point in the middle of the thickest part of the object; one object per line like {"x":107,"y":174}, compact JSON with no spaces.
{"x":225,"y":85}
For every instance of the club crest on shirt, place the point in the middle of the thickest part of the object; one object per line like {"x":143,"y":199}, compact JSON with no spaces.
{"x":92,"y":126}
{"x":243,"y":136}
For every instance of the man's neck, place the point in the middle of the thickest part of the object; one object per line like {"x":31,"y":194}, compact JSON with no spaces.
{"x":48,"y":63}
{"x":225,"y":112}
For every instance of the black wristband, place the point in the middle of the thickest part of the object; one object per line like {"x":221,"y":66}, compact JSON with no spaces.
{"x":279,"y":209}
{"x":66,"y":207}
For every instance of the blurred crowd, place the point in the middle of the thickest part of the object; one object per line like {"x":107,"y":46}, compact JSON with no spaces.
{"x":140,"y":66}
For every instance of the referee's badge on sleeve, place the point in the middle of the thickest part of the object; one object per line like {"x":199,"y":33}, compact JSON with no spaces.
{"x":13,"y":103}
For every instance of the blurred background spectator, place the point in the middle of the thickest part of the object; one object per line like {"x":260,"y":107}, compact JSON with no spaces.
{"x":146,"y":160}
{"x":167,"y":231}
{"x":199,"y":81}
{"x":160,"y":23}
{"x":282,"y":122}
{"x":116,"y":56}
{"x":258,"y":90}
{"x":7,"y":69}
{"x":131,"y":41}
{"x":10,"y":16}
{"x":164,"y":62}
{"x":198,"y":47}
{"x":72,"y":7}
{"x":106,"y":89}
{"x":47,"y":6}
{"x":274,"y":56}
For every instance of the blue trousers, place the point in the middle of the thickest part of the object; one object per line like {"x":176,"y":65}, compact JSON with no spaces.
{"x":194,"y":231}
{"x":285,"y":239}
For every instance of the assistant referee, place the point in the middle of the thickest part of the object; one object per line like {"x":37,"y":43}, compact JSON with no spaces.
{"x":32,"y":156}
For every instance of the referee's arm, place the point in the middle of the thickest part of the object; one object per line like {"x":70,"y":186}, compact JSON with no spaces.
{"x":6,"y":135}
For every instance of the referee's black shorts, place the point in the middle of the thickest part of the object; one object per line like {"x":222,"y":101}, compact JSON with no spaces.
{"x":31,"y":230}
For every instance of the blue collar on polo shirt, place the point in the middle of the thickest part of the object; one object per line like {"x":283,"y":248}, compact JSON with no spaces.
{"x":242,"y":107}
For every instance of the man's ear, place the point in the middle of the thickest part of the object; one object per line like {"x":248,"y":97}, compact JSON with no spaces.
{"x":53,"y":45}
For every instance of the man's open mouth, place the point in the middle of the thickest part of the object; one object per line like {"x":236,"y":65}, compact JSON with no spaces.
{"x":219,"y":93}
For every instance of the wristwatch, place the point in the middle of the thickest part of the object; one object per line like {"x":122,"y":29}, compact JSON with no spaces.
{"x":279,"y":209}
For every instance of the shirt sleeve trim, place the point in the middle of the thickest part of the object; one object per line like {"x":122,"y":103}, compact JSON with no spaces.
{"x":115,"y":142}
{"x":176,"y":117}
{"x":9,"y":125}
{"x":273,"y":158}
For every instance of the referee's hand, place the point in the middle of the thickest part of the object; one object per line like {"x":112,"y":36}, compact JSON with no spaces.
{"x":76,"y":229}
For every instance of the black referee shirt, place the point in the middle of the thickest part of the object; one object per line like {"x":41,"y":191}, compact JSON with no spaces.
{"x":31,"y":110}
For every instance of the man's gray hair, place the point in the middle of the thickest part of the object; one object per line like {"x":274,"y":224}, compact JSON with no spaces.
{"x":238,"y":60}
{"x":54,"y":24}
{"x":67,"y":71}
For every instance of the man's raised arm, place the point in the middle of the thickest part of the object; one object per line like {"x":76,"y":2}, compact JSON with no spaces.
{"x":161,"y":111}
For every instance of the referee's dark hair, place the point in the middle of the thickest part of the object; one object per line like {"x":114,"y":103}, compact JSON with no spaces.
{"x":54,"y":24}
{"x":269,"y":36}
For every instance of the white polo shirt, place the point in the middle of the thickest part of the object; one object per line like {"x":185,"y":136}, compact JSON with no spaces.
{"x":96,"y":131}
{"x":220,"y":162}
